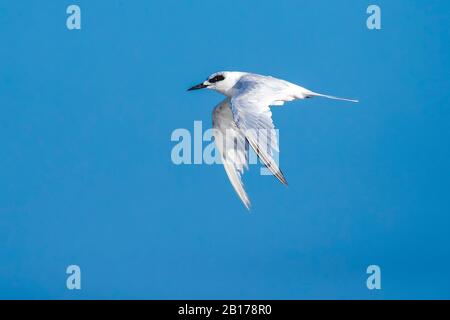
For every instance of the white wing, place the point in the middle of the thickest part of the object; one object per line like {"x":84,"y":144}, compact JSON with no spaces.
{"x":232,"y":146}
{"x":253,"y":96}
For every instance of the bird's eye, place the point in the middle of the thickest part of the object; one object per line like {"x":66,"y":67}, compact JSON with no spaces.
{"x":216,"y":79}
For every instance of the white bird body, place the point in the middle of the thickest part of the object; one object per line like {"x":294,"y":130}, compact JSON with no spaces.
{"x":245,"y":116}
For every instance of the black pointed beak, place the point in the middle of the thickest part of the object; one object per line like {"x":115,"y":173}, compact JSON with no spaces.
{"x":198,"y":87}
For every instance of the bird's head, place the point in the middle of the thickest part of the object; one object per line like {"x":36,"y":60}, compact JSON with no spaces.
{"x":221,"y":82}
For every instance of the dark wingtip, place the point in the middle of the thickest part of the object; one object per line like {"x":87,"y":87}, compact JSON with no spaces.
{"x":282,"y":178}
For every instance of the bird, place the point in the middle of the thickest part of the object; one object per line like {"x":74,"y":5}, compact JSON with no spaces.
{"x":244,"y":118}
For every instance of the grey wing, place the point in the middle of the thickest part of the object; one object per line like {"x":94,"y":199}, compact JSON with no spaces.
{"x":231,"y":144}
{"x":251,"y":112}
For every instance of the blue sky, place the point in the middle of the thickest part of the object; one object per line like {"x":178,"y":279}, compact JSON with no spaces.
{"x":86,"y":176}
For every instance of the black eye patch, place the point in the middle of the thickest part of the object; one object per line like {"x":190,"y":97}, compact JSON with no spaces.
{"x":216,"y":79}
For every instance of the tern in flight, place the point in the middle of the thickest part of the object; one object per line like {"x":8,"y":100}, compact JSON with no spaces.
{"x":244,"y":118}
